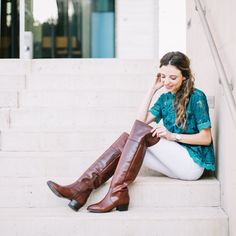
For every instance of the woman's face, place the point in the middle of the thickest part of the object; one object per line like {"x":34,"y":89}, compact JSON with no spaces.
{"x":171,"y":77}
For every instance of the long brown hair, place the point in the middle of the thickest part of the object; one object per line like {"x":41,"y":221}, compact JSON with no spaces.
{"x":182,"y":63}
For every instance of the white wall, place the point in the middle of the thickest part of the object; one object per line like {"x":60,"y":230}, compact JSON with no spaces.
{"x":221,"y":18}
{"x":137,"y":29}
{"x":172,"y":27}
{"x":148,"y":29}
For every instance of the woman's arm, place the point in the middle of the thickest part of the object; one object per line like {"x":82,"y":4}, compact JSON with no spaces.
{"x":204,"y":137}
{"x":143,"y":114}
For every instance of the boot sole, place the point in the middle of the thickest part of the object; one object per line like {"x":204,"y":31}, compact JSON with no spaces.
{"x":123,"y":207}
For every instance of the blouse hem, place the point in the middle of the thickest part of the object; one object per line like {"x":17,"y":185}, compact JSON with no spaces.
{"x":204,"y":165}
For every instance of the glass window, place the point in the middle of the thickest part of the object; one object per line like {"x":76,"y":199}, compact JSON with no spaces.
{"x":102,"y":28}
{"x":70,"y":28}
{"x":9,"y":29}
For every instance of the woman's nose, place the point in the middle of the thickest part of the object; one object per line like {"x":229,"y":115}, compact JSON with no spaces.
{"x":166,"y":81}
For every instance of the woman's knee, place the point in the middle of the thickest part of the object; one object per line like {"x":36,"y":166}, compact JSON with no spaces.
{"x":192,"y":176}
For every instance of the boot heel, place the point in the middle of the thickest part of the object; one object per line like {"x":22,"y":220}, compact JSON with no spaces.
{"x":74,"y":205}
{"x":122,"y":207}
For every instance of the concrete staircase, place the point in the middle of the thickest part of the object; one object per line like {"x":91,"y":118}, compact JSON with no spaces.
{"x":56,"y":118}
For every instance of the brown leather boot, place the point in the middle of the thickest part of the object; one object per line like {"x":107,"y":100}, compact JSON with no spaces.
{"x":127,"y":169}
{"x":98,"y":173}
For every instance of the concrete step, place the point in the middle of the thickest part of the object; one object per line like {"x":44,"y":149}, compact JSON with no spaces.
{"x":106,"y":81}
{"x":76,"y":66}
{"x":78,"y":99}
{"x":144,"y":192}
{"x":67,"y":141}
{"x":14,"y":67}
{"x":47,"y":164}
{"x":9,"y":99}
{"x":55,"y":123}
{"x":12,"y":82}
{"x":136,"y":221}
{"x":53,"y":120}
{"x":92,"y":66}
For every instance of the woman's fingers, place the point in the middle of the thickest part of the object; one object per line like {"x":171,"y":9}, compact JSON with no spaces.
{"x":155,"y":134}
{"x":158,"y":131}
{"x":158,"y":79}
{"x":161,"y":132}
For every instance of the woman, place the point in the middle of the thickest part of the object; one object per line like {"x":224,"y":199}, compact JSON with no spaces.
{"x":186,"y":121}
{"x":180,"y":148}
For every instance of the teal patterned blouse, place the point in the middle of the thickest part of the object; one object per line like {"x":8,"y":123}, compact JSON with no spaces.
{"x":197,"y":118}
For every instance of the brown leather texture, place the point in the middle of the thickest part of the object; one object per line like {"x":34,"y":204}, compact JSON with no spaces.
{"x":127,"y":169}
{"x":98,"y":173}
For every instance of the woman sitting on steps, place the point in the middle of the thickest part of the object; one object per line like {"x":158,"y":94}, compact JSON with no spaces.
{"x":181,"y":148}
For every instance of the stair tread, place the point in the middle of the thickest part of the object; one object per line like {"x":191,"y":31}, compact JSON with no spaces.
{"x":153,"y":180}
{"x":34,"y":192}
{"x":136,"y":221}
{"x":133,"y":213}
{"x":44,"y":136}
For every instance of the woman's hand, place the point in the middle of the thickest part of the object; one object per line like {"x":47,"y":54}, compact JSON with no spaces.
{"x":157,"y":83}
{"x":143,"y":114}
{"x":162,"y":132}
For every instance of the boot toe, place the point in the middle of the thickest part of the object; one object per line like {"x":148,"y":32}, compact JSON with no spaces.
{"x":106,"y":205}
{"x":53,"y":186}
{"x":94,"y":208}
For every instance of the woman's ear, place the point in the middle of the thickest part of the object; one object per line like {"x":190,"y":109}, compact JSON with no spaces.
{"x":184,"y":78}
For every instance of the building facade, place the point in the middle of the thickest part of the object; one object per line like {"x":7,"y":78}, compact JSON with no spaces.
{"x":91,"y":28}
{"x":78,"y":28}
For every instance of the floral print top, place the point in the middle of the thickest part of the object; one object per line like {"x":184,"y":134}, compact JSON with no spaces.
{"x":197,"y":118}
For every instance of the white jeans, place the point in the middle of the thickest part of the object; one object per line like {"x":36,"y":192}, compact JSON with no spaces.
{"x":172,"y":160}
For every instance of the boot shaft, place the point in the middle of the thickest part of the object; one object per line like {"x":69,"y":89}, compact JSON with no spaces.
{"x":104,"y":167}
{"x":98,"y":173}
{"x":132,"y":156}
{"x":127,"y":169}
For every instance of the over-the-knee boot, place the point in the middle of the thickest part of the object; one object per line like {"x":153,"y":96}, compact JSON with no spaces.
{"x":127,"y":169}
{"x":98,"y":173}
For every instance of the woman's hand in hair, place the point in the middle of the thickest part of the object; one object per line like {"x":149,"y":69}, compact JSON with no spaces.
{"x":157,"y":83}
{"x":143,"y":114}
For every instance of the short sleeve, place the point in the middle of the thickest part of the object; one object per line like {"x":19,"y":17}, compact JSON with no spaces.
{"x":201,"y":111}
{"x":156,"y":109}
